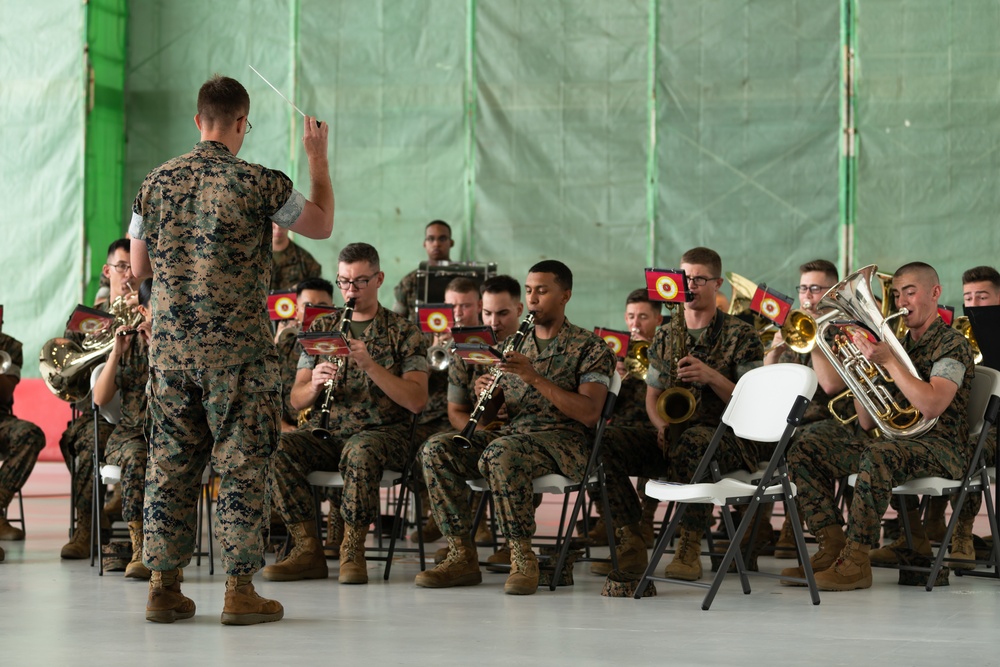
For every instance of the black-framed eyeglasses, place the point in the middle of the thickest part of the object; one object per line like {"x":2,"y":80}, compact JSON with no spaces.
{"x":121,"y":267}
{"x":811,"y":289}
{"x":357,"y":283}
{"x":249,"y":126}
{"x":699,"y":281}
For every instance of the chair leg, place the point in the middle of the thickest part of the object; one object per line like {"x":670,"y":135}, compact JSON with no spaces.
{"x":661,"y":546}
{"x":792,"y":512}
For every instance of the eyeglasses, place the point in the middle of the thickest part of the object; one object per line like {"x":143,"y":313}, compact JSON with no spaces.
{"x":357,"y":283}
{"x":249,"y":126}
{"x":121,"y":267}
{"x":699,"y":281}
{"x":812,"y":289}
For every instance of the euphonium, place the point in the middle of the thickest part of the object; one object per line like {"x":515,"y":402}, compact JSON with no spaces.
{"x":637,"y":359}
{"x":66,"y":366}
{"x":851,"y":299}
{"x":964,"y":327}
{"x":676,"y":405}
{"x":517,"y":340}
{"x":323,"y":431}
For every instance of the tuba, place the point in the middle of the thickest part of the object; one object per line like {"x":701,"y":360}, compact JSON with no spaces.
{"x":66,"y":366}
{"x":851,"y":299}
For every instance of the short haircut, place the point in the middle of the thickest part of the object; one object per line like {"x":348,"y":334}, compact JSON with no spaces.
{"x":502,"y":284}
{"x":564,"y":277}
{"x":705,"y":257}
{"x":640,"y":295}
{"x":462,"y":285}
{"x":360,"y":252}
{"x":120,"y":244}
{"x":438,"y":222}
{"x":222,"y":99}
{"x":145,"y":291}
{"x":822,"y":265}
{"x":922,"y":269}
{"x":982,"y":274}
{"x":316,"y":284}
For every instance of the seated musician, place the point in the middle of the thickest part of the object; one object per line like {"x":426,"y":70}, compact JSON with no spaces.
{"x":290,"y":264}
{"x":20,"y":441}
{"x":463,"y":294}
{"x":77,"y":440}
{"x":815,"y":279}
{"x":127,"y":371}
{"x":943,"y":356}
{"x":383,"y":382}
{"x":980,"y":287}
{"x":438,"y":244}
{"x":554,"y":390}
{"x":715,"y":350}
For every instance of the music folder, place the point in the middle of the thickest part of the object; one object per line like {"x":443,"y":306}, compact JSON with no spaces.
{"x":480,"y":335}
{"x":477,"y":353}
{"x":319,"y":343}
{"x":985,"y":321}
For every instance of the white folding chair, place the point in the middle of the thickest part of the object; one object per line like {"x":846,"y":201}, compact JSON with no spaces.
{"x":593,"y":477}
{"x":766,"y":407}
{"x":984,"y":401}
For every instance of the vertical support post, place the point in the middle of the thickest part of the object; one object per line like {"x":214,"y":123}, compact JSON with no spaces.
{"x":293,"y":75}
{"x":652,"y":171}
{"x":471,"y":108}
{"x":848,"y":163}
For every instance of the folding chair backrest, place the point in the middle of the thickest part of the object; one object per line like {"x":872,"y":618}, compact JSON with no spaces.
{"x":985,"y":384}
{"x":112,"y":412}
{"x":613,"y":391}
{"x":763,"y":399}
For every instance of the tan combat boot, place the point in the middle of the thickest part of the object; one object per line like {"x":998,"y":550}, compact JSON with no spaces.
{"x":631,"y":550}
{"x":888,"y":555}
{"x":962,"y":545}
{"x":166,"y":604}
{"x":686,"y":564}
{"x":135,"y":569}
{"x":484,"y":536}
{"x":647,"y":524}
{"x":431,"y":531}
{"x":523,"y":577}
{"x":78,"y":547}
{"x":334,"y":533}
{"x":499,"y":560}
{"x":934,"y":524}
{"x":785,"y":546}
{"x":831,"y":542}
{"x":304,"y":561}
{"x":598,"y":533}
{"x":243,"y":606}
{"x":353,"y":566}
{"x":460,"y":568}
{"x":851,"y":571}
{"x":9,"y":532}
{"x":113,"y":505}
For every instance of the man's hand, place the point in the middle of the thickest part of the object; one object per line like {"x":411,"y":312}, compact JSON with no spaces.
{"x":483,"y":383}
{"x":315,"y":138}
{"x":324,"y":371}
{"x":879,"y":353}
{"x":359,"y":354}
{"x":693,"y":371}
{"x":517,"y":364}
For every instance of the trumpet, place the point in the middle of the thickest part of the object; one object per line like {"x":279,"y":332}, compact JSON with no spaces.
{"x":323,"y":431}
{"x":517,"y":340}
{"x":291,"y":330}
{"x":438,"y":358}
{"x":964,"y":327}
{"x":869,"y":382}
{"x":637,"y":359}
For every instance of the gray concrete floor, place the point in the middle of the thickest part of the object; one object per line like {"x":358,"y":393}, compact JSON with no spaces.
{"x":56,"y":612}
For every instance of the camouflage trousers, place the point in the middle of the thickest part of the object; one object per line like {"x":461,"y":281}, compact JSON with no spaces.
{"x":77,"y":443}
{"x":824,"y":452}
{"x":361,"y":459}
{"x":632,"y":451}
{"x":509,"y":463}
{"x":229,"y":416}
{"x":20,"y":443}
{"x":128,"y":449}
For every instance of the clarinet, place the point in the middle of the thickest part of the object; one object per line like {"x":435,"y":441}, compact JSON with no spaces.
{"x":517,"y":340}
{"x":323,"y":432}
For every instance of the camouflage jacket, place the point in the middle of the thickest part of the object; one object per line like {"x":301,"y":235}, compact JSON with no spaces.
{"x":206,"y":220}
{"x":818,"y":409}
{"x":574,"y":357}
{"x":131,"y":377}
{"x":358,"y":403}
{"x":630,"y":408}
{"x":288,"y":358}
{"x":291,"y":266}
{"x":944,"y":352}
{"x":462,"y":382}
{"x":11,"y":346}
{"x":405,"y":294}
{"x":734,"y":351}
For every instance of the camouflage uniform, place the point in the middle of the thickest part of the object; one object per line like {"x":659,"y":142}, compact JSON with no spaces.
{"x":538,"y":439}
{"x":405,"y":294}
{"x":733,"y":351}
{"x":815,"y":463}
{"x":288,"y":358}
{"x":369,"y":431}
{"x":214,"y":380}
{"x":20,"y":440}
{"x":434,"y":418}
{"x":127,"y":447}
{"x":77,"y":441}
{"x":291,"y":266}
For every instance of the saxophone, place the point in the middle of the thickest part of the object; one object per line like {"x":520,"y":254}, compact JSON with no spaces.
{"x":323,"y":431}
